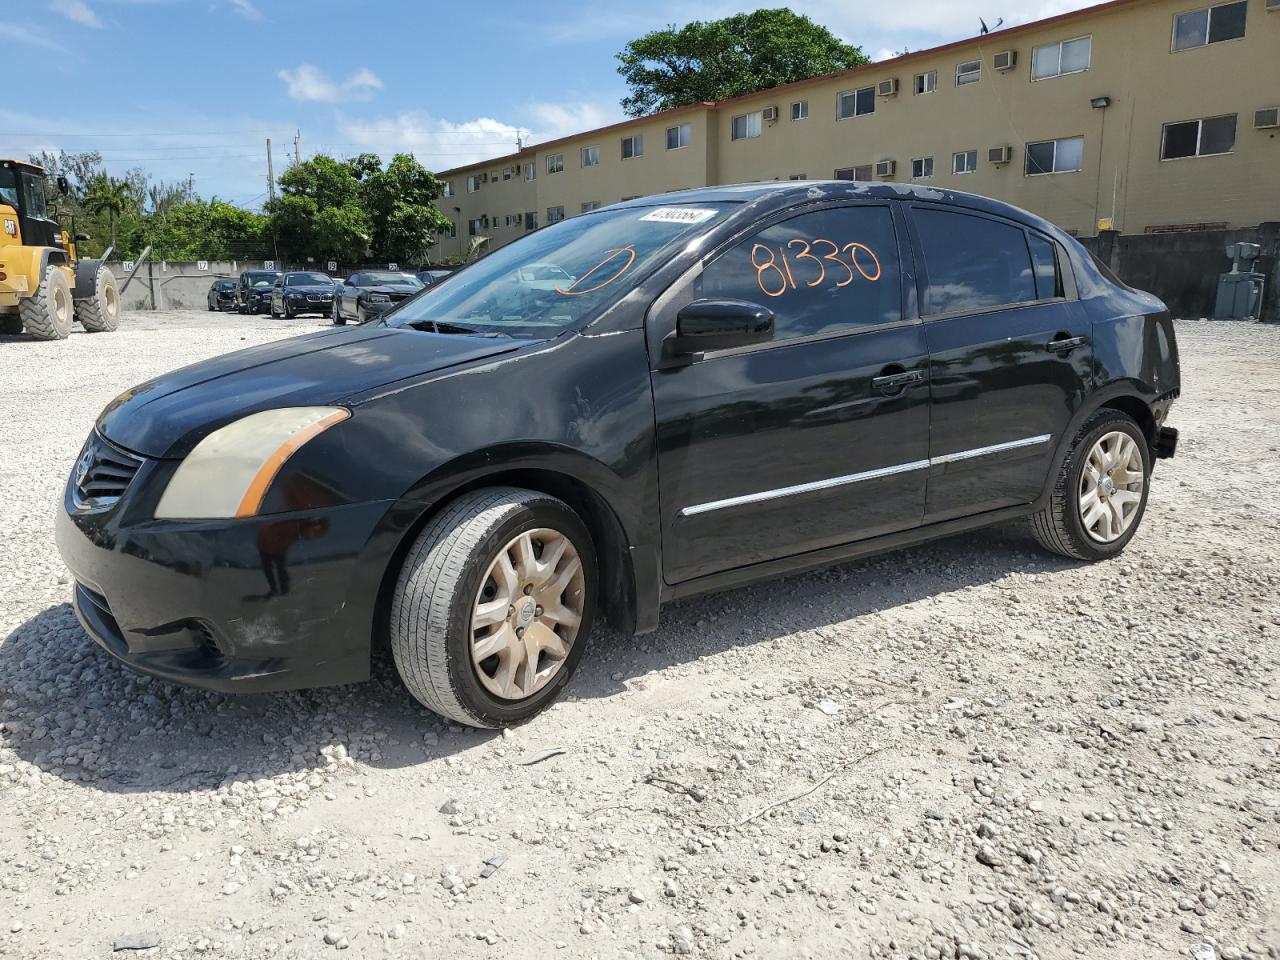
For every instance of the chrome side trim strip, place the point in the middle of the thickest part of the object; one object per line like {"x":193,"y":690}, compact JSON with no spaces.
{"x":803,"y":488}
{"x":831,"y":482}
{"x":994,"y":448}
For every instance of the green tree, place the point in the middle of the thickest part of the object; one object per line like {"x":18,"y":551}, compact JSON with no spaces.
{"x":353,"y":210}
{"x":205,"y":230}
{"x":718,"y":59}
{"x":111,"y":198}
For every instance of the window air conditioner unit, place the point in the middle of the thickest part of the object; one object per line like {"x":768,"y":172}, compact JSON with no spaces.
{"x":998,"y":154}
{"x":885,"y":168}
{"x":1005,"y":60}
{"x":1267,"y":119}
{"x":770,"y":113}
{"x":887,"y":88}
{"x":1273,"y":5}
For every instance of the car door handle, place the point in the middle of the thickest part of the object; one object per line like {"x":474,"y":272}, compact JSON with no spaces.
{"x":893,"y":382}
{"x":1064,"y":344}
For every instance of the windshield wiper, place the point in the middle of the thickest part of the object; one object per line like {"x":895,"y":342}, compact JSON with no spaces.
{"x":444,"y":326}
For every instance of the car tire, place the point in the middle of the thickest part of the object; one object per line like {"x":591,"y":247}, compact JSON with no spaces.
{"x":338,"y":319}
{"x":1092,"y":513}
{"x":100,"y":313}
{"x":212,"y":308}
{"x":288,"y":314}
{"x":452,"y":573}
{"x":48,"y":314}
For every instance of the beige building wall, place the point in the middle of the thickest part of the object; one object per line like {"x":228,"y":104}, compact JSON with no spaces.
{"x":1122,"y":178}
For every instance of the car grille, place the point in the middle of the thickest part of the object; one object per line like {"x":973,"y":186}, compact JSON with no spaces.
{"x":319,"y":297}
{"x":396,"y":297}
{"x":102,"y":474}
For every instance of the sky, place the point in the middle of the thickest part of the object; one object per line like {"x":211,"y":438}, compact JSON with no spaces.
{"x":194,"y":87}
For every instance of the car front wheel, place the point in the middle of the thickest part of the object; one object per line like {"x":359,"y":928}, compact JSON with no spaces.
{"x":1100,"y":494}
{"x":493,"y":606}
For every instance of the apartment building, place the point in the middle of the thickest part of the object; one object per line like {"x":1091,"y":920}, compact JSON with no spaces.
{"x":1142,"y":116}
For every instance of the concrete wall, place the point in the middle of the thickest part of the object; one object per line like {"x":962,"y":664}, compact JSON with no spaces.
{"x":173,"y":285}
{"x":1182,"y":269}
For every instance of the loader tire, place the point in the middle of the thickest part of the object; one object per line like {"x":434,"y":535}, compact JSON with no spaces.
{"x":48,"y":314}
{"x":100,"y":313}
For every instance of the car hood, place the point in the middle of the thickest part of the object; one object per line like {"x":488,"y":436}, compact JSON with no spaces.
{"x":169,"y":415}
{"x":310,"y":288}
{"x":390,"y":288}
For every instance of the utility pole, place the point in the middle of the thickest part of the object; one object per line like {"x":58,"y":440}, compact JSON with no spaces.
{"x":271,"y":176}
{"x":297,"y":149}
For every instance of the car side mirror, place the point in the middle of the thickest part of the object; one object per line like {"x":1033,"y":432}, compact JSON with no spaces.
{"x":719,"y":324}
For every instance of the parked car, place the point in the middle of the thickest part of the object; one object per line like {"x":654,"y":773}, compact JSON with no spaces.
{"x":372,"y":293}
{"x":741,"y":382}
{"x":297,"y":293}
{"x":433,"y":276}
{"x":253,"y":290}
{"x":222,"y":295}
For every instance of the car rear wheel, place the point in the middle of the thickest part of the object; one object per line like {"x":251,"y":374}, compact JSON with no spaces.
{"x":493,"y":606}
{"x":1101,"y":492}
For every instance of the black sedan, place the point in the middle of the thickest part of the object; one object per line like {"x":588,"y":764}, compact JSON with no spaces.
{"x":222,"y":295}
{"x":253,"y":290}
{"x":297,"y":293}
{"x":725,"y":385}
{"x":372,"y":293}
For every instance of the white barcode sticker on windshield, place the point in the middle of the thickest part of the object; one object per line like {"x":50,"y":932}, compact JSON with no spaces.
{"x":680,"y":214}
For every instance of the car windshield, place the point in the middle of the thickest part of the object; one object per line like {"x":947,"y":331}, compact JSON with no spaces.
{"x":262,"y":279}
{"x":307,"y":280}
{"x":388,"y":280}
{"x":226,"y":284}
{"x":559,"y":276}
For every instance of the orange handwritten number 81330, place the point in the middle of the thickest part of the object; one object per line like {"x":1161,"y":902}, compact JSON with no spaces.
{"x":768,"y":266}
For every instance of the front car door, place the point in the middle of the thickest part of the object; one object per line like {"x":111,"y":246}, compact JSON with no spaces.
{"x":816,"y":438}
{"x":350,"y":290}
{"x":1010,"y":356}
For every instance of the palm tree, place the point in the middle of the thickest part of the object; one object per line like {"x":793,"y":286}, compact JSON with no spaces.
{"x":110,"y":196}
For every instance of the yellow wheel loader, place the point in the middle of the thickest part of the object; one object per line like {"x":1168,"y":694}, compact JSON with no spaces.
{"x":44,"y":286}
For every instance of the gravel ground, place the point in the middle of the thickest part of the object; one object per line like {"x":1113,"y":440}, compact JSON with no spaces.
{"x":969,"y":749}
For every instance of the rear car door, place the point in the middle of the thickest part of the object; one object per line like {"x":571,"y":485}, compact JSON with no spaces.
{"x":1010,"y":356}
{"x":815,"y":438}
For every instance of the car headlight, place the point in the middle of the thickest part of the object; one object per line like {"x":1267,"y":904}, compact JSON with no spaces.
{"x":229,"y":471}
{"x":379,"y":298}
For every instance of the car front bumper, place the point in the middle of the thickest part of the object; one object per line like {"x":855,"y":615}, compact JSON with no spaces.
{"x":263,"y":603}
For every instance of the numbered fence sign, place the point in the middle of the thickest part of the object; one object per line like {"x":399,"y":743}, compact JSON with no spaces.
{"x":333,"y":264}
{"x":202,"y":264}
{"x":128,"y":266}
{"x":393,"y":266}
{"x":268,"y":264}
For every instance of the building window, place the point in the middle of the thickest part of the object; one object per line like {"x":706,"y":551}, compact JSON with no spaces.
{"x":450,"y":231}
{"x":632,"y":147}
{"x":926,"y":82}
{"x":1198,"y":138}
{"x":680,"y":136}
{"x":798,"y":176}
{"x":856,"y":103}
{"x":966,"y":161}
{"x":921,"y":167}
{"x":447,"y":189}
{"x":1196,"y":28}
{"x":968,"y":72}
{"x":473,"y":227}
{"x":531,"y":220}
{"x":800,"y":110}
{"x":854,"y":173}
{"x":1057,"y":59}
{"x":746,"y":126}
{"x":590,"y":205}
{"x":473,"y":183}
{"x":531,"y":170}
{"x":555,"y":162}
{"x":555,"y":214}
{"x":590,"y":156}
{"x":508,"y":172}
{"x":1055,"y":156}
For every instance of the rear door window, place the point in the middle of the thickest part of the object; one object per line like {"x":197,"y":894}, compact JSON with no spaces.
{"x":823,"y":272}
{"x":974,"y":263}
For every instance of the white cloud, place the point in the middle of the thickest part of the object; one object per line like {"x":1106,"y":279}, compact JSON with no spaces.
{"x":77,"y":11}
{"x":310,"y":83}
{"x":443,"y":143}
{"x":30,"y":36}
{"x":247,"y":9}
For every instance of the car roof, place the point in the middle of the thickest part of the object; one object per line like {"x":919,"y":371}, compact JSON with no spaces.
{"x":777,"y":194}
